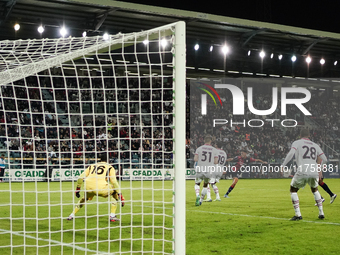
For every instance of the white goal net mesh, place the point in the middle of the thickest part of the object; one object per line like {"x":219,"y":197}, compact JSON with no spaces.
{"x":64,"y":100}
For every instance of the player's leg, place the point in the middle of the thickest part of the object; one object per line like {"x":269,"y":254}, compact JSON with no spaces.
{"x":232,"y":186}
{"x":212,"y":181}
{"x":81,"y":203}
{"x":204,"y":191}
{"x":198,"y":180}
{"x":208,"y":195}
{"x":2,"y":172}
{"x":327,"y":189}
{"x":313,"y":183}
{"x":113,"y":199}
{"x":214,"y":186}
{"x":295,"y":185}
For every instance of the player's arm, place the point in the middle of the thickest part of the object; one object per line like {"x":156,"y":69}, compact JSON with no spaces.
{"x":115,"y":184}
{"x":322,"y":158}
{"x":196,"y":157}
{"x":289,"y":156}
{"x":80,"y":183}
{"x":113,"y":179}
{"x":216,"y":160}
{"x":229,"y":159}
{"x":259,"y":160}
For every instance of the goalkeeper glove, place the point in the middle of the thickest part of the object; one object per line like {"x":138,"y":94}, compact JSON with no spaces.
{"x":78,"y":192}
{"x":121,"y":198}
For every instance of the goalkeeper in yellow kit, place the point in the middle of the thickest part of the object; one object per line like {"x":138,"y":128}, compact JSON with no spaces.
{"x":100,"y":180}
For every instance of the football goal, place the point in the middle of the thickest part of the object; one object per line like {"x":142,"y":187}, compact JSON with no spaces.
{"x":65,"y":100}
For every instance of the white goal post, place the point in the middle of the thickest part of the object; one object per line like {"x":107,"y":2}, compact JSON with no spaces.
{"x":65,"y":100}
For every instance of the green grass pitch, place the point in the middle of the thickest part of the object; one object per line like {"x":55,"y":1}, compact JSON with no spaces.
{"x":254,"y":220}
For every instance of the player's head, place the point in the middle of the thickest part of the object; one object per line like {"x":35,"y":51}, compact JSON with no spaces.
{"x":219,"y":144}
{"x":102,"y":156}
{"x":2,"y":156}
{"x":304,"y":133}
{"x":208,"y":139}
{"x":243,"y":153}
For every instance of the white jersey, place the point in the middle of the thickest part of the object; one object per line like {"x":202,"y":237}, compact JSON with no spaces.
{"x":306,"y":153}
{"x":222,"y":157}
{"x":217,"y":175}
{"x":206,"y":156}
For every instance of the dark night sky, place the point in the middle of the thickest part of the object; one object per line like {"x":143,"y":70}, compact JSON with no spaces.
{"x":319,"y":15}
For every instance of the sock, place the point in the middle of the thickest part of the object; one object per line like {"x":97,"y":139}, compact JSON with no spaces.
{"x":229,"y":190}
{"x":295,"y":201}
{"x":113,"y":206}
{"x":325,"y":187}
{"x":79,"y":205}
{"x":197,"y":190}
{"x":204,"y":192}
{"x":208,"y":193}
{"x":216,"y":191}
{"x":318,"y":200}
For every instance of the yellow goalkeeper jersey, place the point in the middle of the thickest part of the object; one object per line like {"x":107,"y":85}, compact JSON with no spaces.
{"x":98,"y":175}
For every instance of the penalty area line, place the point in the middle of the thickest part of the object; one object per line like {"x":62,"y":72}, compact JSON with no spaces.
{"x":265,"y":217}
{"x":4,"y":231}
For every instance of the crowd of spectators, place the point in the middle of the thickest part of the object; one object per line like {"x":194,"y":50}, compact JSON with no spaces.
{"x":137,"y":132}
{"x":38,"y":119}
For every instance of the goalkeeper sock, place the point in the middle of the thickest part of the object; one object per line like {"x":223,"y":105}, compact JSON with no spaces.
{"x":295,"y":201}
{"x":325,"y":187}
{"x":113,"y":206}
{"x":79,"y":206}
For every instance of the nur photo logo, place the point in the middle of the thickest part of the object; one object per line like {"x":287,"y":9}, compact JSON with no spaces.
{"x":204,"y":97}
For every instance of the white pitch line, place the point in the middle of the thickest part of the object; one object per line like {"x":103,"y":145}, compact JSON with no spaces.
{"x":53,"y":241}
{"x":265,"y":217}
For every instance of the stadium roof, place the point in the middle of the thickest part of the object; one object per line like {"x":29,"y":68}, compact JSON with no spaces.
{"x":242,"y":36}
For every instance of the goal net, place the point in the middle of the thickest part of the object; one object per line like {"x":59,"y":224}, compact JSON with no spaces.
{"x":62,"y":101}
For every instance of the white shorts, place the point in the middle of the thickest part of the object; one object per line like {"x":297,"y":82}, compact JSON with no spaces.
{"x":300,"y":182}
{"x":202,"y":176}
{"x":216,"y":176}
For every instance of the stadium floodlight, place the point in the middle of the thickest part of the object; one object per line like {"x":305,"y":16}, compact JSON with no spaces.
{"x":84,"y":34}
{"x":211,"y":48}
{"x":225,"y":49}
{"x":308,"y":59}
{"x":272,"y":55}
{"x":163,"y":43}
{"x":156,"y":207}
{"x":280,"y":57}
{"x":41,"y":29}
{"x":293,"y":58}
{"x":322,"y":61}
{"x":63,"y":31}
{"x":249,"y":52}
{"x":197,"y":46}
{"x":146,"y":42}
{"x":16,"y":27}
{"x":262,"y":54}
{"x":106,"y":36}
{"x":335,"y":62}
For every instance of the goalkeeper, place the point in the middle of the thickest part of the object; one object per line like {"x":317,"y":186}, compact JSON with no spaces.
{"x":100,"y":180}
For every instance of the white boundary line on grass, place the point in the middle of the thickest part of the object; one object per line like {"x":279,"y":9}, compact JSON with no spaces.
{"x":53,"y":241}
{"x":265,"y":217}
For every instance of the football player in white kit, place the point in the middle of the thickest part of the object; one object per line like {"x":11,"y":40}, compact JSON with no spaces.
{"x":306,"y":155}
{"x":217,"y":174}
{"x":206,"y":157}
